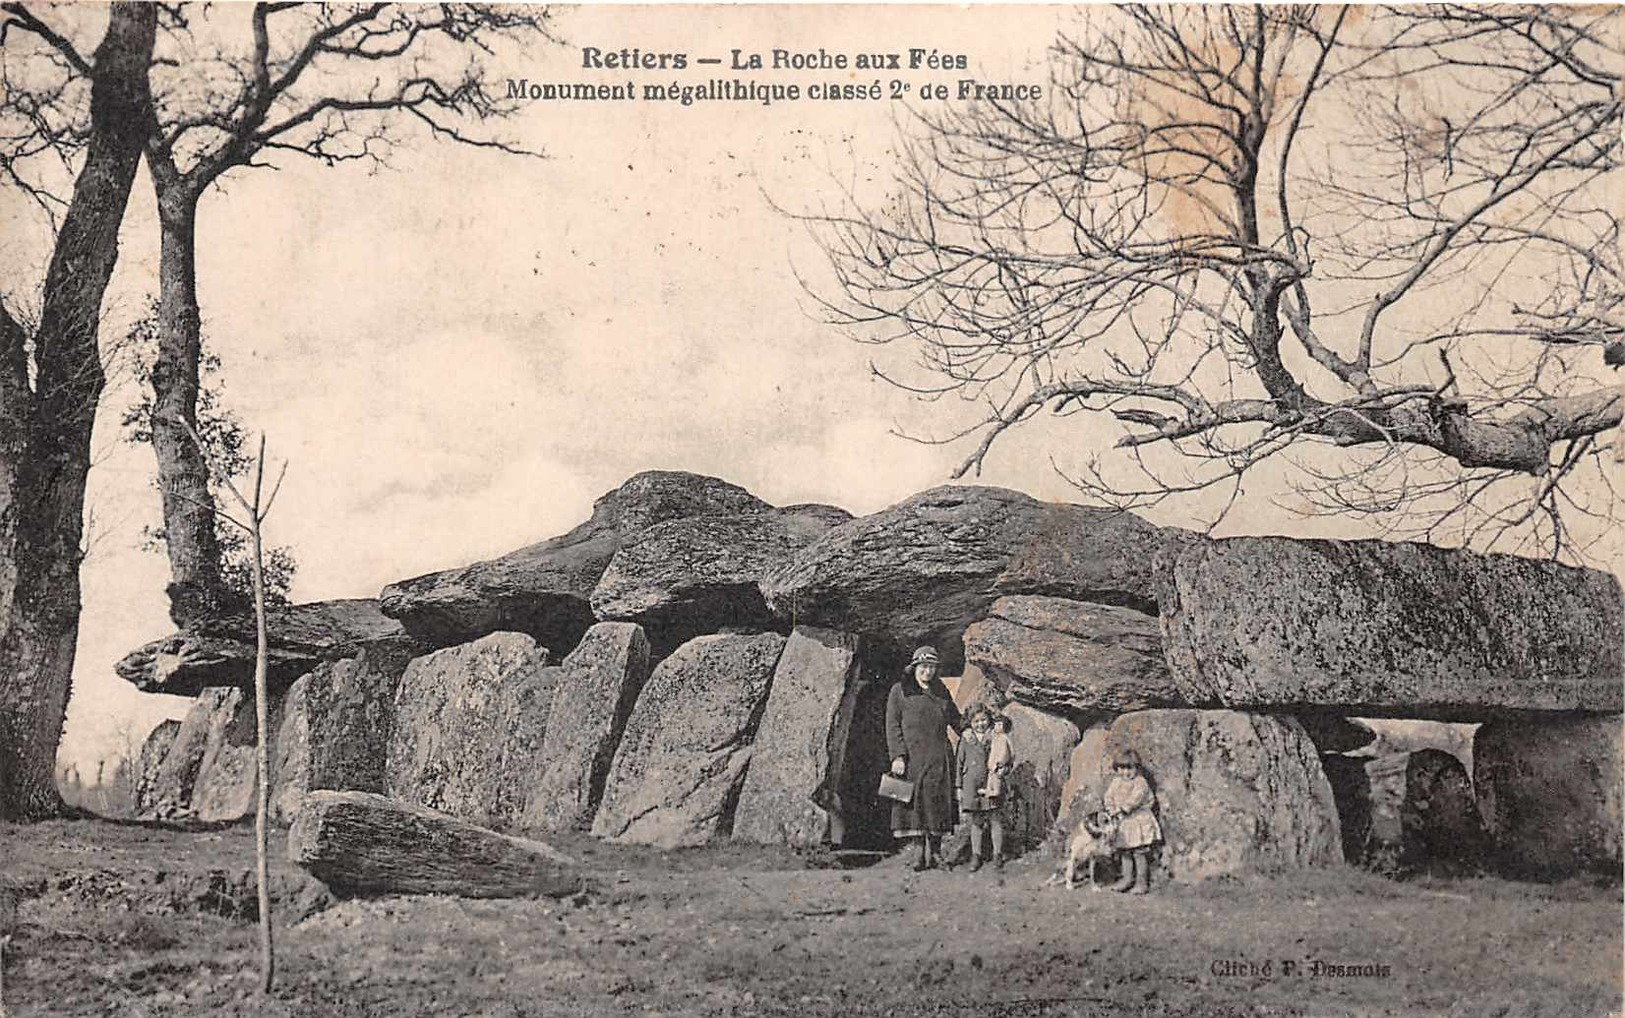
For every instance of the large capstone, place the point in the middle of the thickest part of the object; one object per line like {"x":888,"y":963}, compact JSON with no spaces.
{"x":1376,"y":628}
{"x":702,"y":574}
{"x":220,"y":651}
{"x":798,"y":738}
{"x":546,"y":589}
{"x":676,"y":776}
{"x":924,"y":569}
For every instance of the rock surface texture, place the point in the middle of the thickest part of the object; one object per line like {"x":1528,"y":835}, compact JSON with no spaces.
{"x":1236,"y":793}
{"x":676,"y":776}
{"x":153,"y":751}
{"x":227,"y":777}
{"x":469,"y":723}
{"x":1043,"y":746}
{"x":924,"y":569}
{"x":359,"y":843}
{"x":1403,"y":629}
{"x":175,"y":778}
{"x":545,"y":589}
{"x":1088,"y":769}
{"x":701,"y":574}
{"x":1549,"y":792}
{"x":792,"y":752}
{"x":597,"y":686}
{"x":1439,"y":821}
{"x":1072,"y":657}
{"x":220,"y":651}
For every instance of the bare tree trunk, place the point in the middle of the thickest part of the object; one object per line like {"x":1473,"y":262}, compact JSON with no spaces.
{"x":195,"y":588}
{"x":262,"y":752}
{"x":47,"y":411}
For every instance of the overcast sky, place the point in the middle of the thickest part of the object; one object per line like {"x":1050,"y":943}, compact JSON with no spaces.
{"x":456,"y":355}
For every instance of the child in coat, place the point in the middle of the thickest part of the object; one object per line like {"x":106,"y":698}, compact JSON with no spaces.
{"x":981,"y":778}
{"x":1001,"y":756}
{"x":1130,"y":804}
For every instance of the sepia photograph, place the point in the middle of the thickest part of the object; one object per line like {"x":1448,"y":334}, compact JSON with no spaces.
{"x":811,"y":510}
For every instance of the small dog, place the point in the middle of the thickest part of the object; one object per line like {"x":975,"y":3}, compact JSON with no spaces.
{"x":1095,"y":839}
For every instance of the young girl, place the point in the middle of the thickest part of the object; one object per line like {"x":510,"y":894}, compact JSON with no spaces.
{"x":1001,"y":756}
{"x":1129,"y":802}
{"x":981,"y":777}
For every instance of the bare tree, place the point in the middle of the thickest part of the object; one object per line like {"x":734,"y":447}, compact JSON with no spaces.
{"x":239,"y":87}
{"x":1380,"y":246}
{"x":51,"y":381}
{"x":251,"y":520}
{"x":330,"y":82}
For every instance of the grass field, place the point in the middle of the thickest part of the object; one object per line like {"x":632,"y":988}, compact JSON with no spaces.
{"x":109,"y":919}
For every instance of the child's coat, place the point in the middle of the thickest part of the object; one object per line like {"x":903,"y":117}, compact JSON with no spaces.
{"x":1132,"y":800}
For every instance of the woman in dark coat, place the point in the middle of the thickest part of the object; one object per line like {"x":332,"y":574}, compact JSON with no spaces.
{"x":919,"y":713}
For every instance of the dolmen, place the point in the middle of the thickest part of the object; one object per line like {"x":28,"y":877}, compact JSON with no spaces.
{"x":693,"y":664}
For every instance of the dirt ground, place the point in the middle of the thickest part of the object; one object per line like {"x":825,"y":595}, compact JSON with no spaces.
{"x":111,"y":919}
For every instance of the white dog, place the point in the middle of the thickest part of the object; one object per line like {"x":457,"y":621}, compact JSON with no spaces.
{"x":1095,"y":839}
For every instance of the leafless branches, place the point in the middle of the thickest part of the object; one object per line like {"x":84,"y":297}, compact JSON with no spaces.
{"x":1376,"y":246}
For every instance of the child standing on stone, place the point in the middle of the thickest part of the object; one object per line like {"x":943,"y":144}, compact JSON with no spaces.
{"x":1130,"y":804}
{"x":980,"y":782}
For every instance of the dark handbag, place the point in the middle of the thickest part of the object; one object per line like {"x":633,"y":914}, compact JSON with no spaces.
{"x":892,"y":787}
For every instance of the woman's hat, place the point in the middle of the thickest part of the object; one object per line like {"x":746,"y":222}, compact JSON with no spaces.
{"x":923,"y":655}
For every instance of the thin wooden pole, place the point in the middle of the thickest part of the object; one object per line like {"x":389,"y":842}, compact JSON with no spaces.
{"x":262,"y":751}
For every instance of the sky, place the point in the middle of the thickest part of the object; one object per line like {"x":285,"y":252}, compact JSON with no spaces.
{"x":458,"y":353}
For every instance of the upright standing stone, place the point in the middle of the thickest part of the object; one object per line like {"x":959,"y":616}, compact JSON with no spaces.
{"x":176,"y":778}
{"x":676,"y":775}
{"x":290,"y":758}
{"x":790,"y":759}
{"x":157,"y":746}
{"x":1351,"y":791}
{"x":228,"y":775}
{"x":1043,"y":747}
{"x":468,"y":727}
{"x":1236,"y":793}
{"x":597,"y":686}
{"x":1087,"y":771}
{"x":1549,"y":792}
{"x":335,"y":726}
{"x":1440,"y":825}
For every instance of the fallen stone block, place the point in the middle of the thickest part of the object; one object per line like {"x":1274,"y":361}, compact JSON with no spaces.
{"x":359,"y":843}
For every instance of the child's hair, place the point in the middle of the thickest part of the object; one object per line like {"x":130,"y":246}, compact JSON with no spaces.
{"x":980,"y":710}
{"x":1127,"y":758}
{"x":1001,"y":721}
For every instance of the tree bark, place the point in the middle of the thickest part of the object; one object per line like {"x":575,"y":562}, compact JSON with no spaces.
{"x":196,"y":589}
{"x":46,"y":418}
{"x":361,"y":843}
